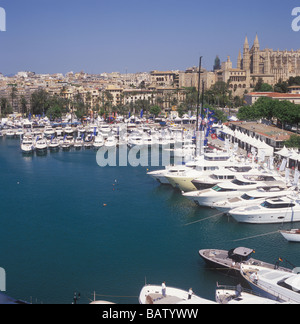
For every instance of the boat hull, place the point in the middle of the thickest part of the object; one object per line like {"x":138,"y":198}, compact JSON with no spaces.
{"x":291,"y":236}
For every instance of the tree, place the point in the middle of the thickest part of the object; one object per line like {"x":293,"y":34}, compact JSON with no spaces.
{"x":13,"y":94}
{"x":5,"y":107}
{"x":262,"y":87}
{"x":23,"y":103}
{"x":155,"y":110}
{"x":293,"y":142}
{"x":40,"y":102}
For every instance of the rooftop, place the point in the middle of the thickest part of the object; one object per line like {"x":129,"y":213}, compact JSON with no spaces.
{"x":271,"y":132}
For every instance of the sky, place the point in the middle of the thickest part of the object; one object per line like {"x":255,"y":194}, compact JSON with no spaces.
{"x":96,"y":36}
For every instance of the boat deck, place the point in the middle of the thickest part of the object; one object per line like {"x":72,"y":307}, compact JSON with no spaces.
{"x":159,"y":299}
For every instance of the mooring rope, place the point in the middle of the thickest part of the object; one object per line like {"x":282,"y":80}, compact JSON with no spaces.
{"x":255,"y":236}
{"x":203,"y":219}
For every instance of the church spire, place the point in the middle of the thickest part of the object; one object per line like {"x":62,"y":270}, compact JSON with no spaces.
{"x":256,"y":42}
{"x":246,"y":44}
{"x":239,"y":61}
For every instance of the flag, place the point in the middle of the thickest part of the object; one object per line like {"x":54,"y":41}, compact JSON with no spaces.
{"x":142,"y":113}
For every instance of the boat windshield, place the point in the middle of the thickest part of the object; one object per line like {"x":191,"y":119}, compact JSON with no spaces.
{"x":267,"y":204}
{"x":219,"y":189}
{"x":242,"y":183}
{"x":247,"y":197}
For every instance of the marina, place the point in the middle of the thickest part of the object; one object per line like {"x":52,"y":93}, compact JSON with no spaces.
{"x":48,"y":219}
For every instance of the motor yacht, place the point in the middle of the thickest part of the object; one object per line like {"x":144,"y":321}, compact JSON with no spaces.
{"x":161,"y":175}
{"x":49,"y":132}
{"x":111,"y":141}
{"x":98,"y":141}
{"x":88,"y":141}
{"x":10,"y":133}
{"x":59,"y":131}
{"x":273,"y":283}
{"x":68,"y":130}
{"x":27,"y":145}
{"x":234,"y":188}
{"x":252,"y":198}
{"x":230,"y":173}
{"x":41,"y":145}
{"x":78,"y":143}
{"x":152,"y":295}
{"x":135,"y":140}
{"x":202,"y":169}
{"x":54,"y":144}
{"x":277,"y":210}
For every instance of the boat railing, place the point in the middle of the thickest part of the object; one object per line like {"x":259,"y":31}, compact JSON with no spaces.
{"x":234,"y":288}
{"x":267,"y":288}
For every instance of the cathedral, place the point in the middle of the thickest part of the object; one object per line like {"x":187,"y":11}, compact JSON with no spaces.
{"x":268,"y":64}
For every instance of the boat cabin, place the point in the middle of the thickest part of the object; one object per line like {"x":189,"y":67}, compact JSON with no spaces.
{"x":240,"y":254}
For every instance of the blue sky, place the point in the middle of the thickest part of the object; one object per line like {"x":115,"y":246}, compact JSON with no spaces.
{"x":49,"y":36}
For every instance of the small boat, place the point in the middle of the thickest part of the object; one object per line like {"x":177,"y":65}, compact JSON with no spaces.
{"x":10,"y":133}
{"x":292,"y":235}
{"x":99,"y":141}
{"x":78,"y":143}
{"x":27,"y":145}
{"x":41,"y":145}
{"x":152,"y":295}
{"x":111,"y":142}
{"x":54,"y":144}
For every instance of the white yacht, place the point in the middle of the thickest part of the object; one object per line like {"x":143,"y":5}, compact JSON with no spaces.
{"x":111,"y":141}
{"x":59,"y":131}
{"x":152,"y":295}
{"x":270,"y":211}
{"x":49,"y":131}
{"x":10,"y":133}
{"x":235,"y":188}
{"x":54,"y":144}
{"x":135,"y":140}
{"x":78,"y":143}
{"x":161,"y":175}
{"x":203,"y":168}
{"x":19,"y":132}
{"x":68,"y":130}
{"x":166,"y":175}
{"x":252,"y":198}
{"x":41,"y":145}
{"x":230,"y":173}
{"x":273,"y":283}
{"x":27,"y":145}
{"x":99,"y":141}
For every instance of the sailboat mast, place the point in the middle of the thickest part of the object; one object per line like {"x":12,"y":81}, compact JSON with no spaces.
{"x":198,"y":132}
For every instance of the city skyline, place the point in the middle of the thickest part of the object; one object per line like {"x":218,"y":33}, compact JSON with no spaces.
{"x":137,"y":36}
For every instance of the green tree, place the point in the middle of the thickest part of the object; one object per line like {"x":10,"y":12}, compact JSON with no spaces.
{"x":155,"y":110}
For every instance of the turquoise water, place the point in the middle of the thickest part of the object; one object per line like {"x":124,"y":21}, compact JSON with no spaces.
{"x":57,"y":237}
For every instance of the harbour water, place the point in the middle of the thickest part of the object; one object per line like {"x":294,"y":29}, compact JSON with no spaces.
{"x":68,"y":225}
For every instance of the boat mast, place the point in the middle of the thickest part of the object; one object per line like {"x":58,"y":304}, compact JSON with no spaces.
{"x":198,"y":132}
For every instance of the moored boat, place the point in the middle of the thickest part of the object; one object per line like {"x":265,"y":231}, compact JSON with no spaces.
{"x":292,"y":236}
